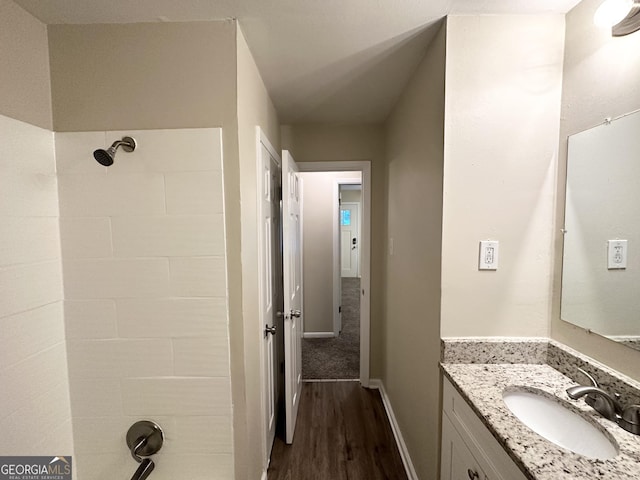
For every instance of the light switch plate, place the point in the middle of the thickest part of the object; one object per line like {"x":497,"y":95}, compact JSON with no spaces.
{"x":617,"y":254}
{"x":488,"y":259}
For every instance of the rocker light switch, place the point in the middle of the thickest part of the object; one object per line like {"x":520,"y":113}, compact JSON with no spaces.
{"x":488,"y":259}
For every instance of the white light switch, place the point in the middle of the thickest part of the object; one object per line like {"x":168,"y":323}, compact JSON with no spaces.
{"x":488,"y":255}
{"x":617,"y":254}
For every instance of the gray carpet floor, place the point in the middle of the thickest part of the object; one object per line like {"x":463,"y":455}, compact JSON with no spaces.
{"x":337,"y":358}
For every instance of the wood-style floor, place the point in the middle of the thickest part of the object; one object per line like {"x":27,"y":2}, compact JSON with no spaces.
{"x":342,"y":433}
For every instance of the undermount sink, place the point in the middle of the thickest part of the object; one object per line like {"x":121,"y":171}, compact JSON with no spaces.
{"x":557,"y":423}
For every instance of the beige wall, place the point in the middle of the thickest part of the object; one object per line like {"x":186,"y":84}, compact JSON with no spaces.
{"x":318,"y":243}
{"x":254,"y":109}
{"x":411,"y":331}
{"x":142,"y":75}
{"x":600,"y":80}
{"x":317,"y":143}
{"x":24,"y":55}
{"x":504,"y":78}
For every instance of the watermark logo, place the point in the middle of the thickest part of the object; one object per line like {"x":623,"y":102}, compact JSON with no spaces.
{"x":35,"y":468}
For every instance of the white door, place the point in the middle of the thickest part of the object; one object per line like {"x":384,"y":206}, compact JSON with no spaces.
{"x":292,"y":262}
{"x":349,"y":238}
{"x":269,"y":224}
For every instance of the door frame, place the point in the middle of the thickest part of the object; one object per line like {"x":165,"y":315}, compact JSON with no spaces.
{"x":337,"y":267}
{"x":365,"y":253}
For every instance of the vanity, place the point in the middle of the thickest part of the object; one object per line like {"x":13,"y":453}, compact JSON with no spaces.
{"x":482,"y":439}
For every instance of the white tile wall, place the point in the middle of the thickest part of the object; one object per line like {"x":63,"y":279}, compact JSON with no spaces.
{"x":86,"y":237}
{"x":168,"y":236}
{"x":115,"y":278}
{"x":172,"y":317}
{"x":34,"y":398}
{"x":29,"y":333}
{"x":194,"y":193}
{"x":146,"y":300}
{"x":29,"y":285}
{"x":97,"y":195}
{"x":198,"y":277}
{"x":87,"y":319}
{"x":176,"y":396}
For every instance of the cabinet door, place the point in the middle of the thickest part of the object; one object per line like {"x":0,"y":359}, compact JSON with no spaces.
{"x":457,"y":461}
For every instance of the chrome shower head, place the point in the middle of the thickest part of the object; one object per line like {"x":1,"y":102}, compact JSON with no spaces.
{"x":106,"y":157}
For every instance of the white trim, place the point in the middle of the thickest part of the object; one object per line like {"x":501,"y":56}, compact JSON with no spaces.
{"x":318,"y":335}
{"x":264,"y":475}
{"x":402,"y":447}
{"x":337,"y":286}
{"x":365,"y":242}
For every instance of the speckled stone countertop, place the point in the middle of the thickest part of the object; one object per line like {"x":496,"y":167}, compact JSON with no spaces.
{"x":482,"y":386}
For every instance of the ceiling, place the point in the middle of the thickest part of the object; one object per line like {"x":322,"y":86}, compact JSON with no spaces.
{"x":323,"y":61}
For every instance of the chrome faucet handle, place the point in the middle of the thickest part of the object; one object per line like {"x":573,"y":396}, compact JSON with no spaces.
{"x":591,"y":399}
{"x":593,"y":381}
{"x":630,"y":419}
{"x":144,"y":470}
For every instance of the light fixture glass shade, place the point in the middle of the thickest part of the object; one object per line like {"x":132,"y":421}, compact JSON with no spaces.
{"x":612,"y":12}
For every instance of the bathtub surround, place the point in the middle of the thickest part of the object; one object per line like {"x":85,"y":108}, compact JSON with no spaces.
{"x":143,"y":253}
{"x":33,"y":360}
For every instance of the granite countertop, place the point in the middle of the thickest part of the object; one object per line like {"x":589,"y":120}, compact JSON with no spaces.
{"x":482,"y":386}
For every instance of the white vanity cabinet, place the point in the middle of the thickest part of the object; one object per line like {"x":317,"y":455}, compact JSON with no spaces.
{"x":469,"y":451}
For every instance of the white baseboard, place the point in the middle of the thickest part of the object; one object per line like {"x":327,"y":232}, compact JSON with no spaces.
{"x":318,"y":335}
{"x":402,"y":447}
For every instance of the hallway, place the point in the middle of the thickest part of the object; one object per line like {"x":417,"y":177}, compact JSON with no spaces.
{"x":342,"y":433}
{"x":339,"y":357}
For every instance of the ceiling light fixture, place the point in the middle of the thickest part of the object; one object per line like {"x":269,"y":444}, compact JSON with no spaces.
{"x":623,"y":16}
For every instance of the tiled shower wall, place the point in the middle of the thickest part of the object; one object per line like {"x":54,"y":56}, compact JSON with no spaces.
{"x":146,"y":300}
{"x":34,"y":390}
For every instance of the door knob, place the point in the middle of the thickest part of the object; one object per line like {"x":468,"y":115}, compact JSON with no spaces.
{"x":295,"y":313}
{"x":269,"y":330}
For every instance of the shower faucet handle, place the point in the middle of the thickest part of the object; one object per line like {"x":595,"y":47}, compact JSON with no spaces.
{"x":144,"y":439}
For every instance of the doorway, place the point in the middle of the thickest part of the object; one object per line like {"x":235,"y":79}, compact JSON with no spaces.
{"x":346,"y":176}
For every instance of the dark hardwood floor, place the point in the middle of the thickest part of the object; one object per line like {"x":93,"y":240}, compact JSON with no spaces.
{"x":342,"y":433}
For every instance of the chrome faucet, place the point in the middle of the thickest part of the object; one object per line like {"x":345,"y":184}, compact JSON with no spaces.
{"x":606,"y":405}
{"x":601,"y":401}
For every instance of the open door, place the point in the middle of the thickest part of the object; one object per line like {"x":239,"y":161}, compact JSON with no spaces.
{"x":292,"y":263}
{"x":270,"y":285}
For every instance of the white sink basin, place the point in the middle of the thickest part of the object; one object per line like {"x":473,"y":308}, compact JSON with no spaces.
{"x":560,"y":425}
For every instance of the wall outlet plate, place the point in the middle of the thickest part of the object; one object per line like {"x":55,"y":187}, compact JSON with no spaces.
{"x":488,"y":258}
{"x":617,"y":254}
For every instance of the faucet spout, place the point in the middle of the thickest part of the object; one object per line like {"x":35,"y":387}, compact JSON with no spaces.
{"x":600,"y":400}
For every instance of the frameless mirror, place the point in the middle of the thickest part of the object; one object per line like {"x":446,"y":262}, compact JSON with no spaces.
{"x":601,"y":262}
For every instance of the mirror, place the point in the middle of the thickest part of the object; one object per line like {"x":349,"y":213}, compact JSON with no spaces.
{"x":601,"y":261}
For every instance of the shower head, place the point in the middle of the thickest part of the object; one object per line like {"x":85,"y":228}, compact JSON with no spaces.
{"x":106,"y":157}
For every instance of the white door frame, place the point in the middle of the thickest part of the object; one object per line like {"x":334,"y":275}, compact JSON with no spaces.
{"x":337,"y":279}
{"x":365,"y":252}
